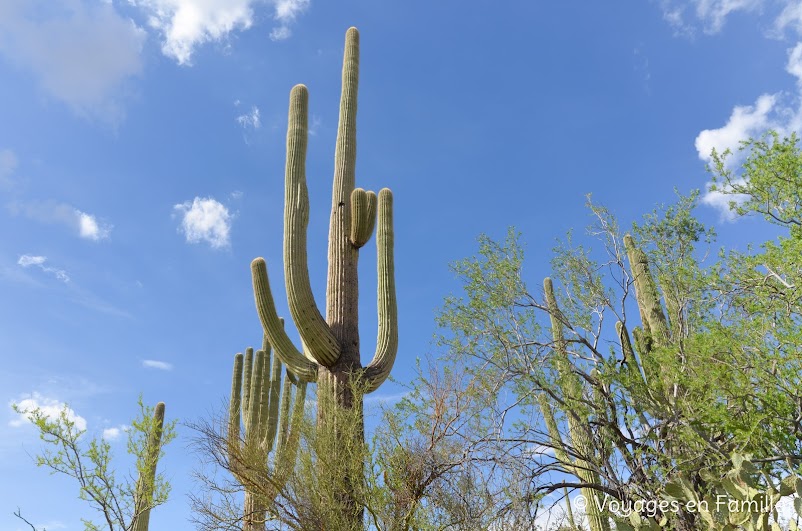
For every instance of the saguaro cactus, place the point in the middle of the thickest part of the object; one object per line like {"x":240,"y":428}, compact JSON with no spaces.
{"x":576,"y":413}
{"x":330,"y":352}
{"x":265,"y":408}
{"x":143,"y":498}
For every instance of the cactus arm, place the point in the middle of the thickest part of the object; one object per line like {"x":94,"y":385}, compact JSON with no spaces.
{"x":246,"y":384}
{"x":302,"y":367}
{"x":234,"y":406}
{"x":273,"y":402}
{"x":290,"y":430}
{"x":387,"y":343}
{"x":311,"y":325}
{"x":652,"y":316}
{"x":253,"y":425}
{"x":363,"y":216}
{"x":554,"y":434}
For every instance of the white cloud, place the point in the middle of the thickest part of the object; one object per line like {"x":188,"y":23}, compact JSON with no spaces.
{"x":205,"y":219}
{"x":51,"y":408}
{"x":27,"y":260}
{"x":745,"y":121}
{"x":187,"y":24}
{"x":155,"y":364}
{"x":112,"y":434}
{"x":85,"y":225}
{"x":280,"y":33}
{"x":781,"y":112}
{"x":81,"y":51}
{"x":250,"y":119}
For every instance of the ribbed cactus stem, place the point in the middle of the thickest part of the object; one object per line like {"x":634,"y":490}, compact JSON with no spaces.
{"x":646,"y":294}
{"x":147,"y":477}
{"x":576,"y":414}
{"x":311,"y":325}
{"x":273,"y":327}
{"x":387,"y":341}
{"x":363,"y":216}
{"x":342,"y":289}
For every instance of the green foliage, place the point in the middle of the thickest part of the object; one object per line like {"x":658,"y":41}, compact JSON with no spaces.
{"x":121,"y":503}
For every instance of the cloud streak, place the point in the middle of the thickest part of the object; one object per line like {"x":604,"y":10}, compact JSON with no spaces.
{"x":85,"y":225}
{"x":27,"y":260}
{"x":156,"y":364}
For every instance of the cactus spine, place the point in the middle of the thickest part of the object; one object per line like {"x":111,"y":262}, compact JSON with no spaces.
{"x":331,"y":347}
{"x":256,"y":386}
{"x":576,"y":414}
{"x":143,"y":498}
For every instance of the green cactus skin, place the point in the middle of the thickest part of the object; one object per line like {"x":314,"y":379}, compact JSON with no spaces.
{"x":258,"y":400}
{"x":576,"y":413}
{"x":144,"y":490}
{"x":651,"y":311}
{"x":330,"y":353}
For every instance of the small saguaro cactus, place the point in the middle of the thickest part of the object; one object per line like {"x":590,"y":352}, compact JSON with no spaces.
{"x":330,"y":352}
{"x":263,"y":402}
{"x":143,"y":498}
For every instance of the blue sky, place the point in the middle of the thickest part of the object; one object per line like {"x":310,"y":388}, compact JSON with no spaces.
{"x":141,"y":170}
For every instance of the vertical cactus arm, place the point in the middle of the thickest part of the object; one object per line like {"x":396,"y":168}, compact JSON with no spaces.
{"x":363,"y":216}
{"x":387,"y":341}
{"x":252,"y":433}
{"x":284,"y":414}
{"x":263,"y":417}
{"x":276,"y":370}
{"x":342,"y":285}
{"x":572,"y":386}
{"x":290,"y":435}
{"x":147,"y":478}
{"x":554,"y":433}
{"x":234,"y":407}
{"x":246,"y":385}
{"x":310,"y":323}
{"x":302,"y":367}
{"x":646,"y":293}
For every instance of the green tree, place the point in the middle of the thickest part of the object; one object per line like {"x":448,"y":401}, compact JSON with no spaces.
{"x":124,"y":505}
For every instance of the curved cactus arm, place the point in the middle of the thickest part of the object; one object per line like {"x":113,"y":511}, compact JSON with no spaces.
{"x":273,"y":327}
{"x":363,"y":216}
{"x":310,"y":323}
{"x":651,"y":311}
{"x":387,"y":342}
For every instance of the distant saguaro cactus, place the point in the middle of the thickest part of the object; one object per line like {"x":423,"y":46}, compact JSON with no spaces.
{"x":331,"y":349}
{"x":143,"y":499}
{"x":269,"y":419}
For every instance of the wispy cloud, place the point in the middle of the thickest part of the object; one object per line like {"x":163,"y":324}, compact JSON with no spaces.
{"x":286,"y":13}
{"x":205,"y":219}
{"x":81,"y":51}
{"x":156,"y":364}
{"x":27,"y":260}
{"x":8,"y":165}
{"x":50,"y":408}
{"x":81,"y":223}
{"x":250,"y":119}
{"x":685,"y":16}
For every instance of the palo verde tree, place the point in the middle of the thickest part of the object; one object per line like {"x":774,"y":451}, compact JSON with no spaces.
{"x":639,"y":365}
{"x":124,"y":505}
{"x":331,"y":353}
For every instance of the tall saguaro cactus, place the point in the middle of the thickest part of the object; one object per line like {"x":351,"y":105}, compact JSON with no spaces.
{"x":256,"y":386}
{"x":330,"y":352}
{"x":143,"y":498}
